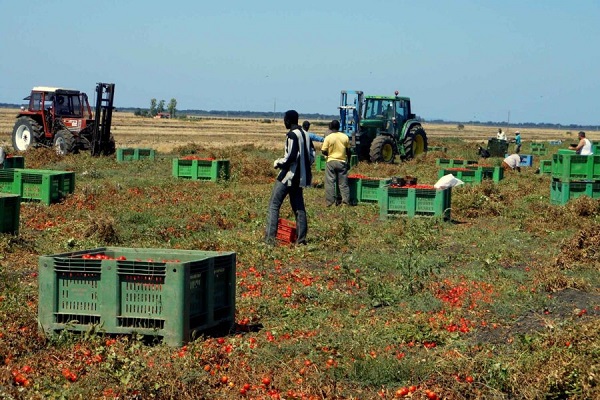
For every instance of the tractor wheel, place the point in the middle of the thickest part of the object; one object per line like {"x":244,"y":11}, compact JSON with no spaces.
{"x":25,"y":133}
{"x":383,"y":149}
{"x":64,"y":142}
{"x":415,"y":142}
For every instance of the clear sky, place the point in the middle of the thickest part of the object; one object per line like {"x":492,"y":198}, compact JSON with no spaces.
{"x":537,"y":61}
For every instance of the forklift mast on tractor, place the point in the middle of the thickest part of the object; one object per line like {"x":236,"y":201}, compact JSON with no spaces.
{"x":381,"y":127}
{"x":63,"y":119}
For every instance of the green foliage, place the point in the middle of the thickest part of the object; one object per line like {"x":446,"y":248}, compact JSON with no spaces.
{"x":366,"y":307}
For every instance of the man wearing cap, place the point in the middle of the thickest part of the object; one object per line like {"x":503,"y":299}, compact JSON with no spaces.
{"x":517,"y":142}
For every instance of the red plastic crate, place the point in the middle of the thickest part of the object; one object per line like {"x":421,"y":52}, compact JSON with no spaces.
{"x":286,"y":231}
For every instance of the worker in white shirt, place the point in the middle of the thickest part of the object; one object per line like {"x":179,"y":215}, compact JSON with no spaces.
{"x":512,"y":162}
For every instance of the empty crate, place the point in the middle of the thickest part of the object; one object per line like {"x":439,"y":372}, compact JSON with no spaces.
{"x":132,"y":154}
{"x":199,"y":169}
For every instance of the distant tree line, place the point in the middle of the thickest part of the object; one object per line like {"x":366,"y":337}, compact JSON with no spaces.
{"x":158,"y":107}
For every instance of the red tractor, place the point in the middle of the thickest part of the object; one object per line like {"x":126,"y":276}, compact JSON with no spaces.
{"x":63,"y":118}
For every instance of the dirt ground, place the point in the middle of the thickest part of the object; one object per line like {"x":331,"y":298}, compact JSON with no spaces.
{"x":565,"y":305}
{"x":165,"y":134}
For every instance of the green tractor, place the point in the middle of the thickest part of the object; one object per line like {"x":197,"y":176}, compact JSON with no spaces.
{"x":381,"y":127}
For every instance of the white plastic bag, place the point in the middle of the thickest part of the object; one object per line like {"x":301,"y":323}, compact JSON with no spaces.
{"x":447,"y":181}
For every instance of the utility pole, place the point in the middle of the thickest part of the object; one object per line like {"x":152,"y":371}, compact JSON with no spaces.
{"x":274,"y":107}
{"x":508,"y":122}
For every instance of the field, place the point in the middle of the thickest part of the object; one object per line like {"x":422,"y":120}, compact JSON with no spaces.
{"x":501,"y":301}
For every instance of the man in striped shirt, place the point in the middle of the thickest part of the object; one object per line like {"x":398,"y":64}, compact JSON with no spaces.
{"x":294,"y":175}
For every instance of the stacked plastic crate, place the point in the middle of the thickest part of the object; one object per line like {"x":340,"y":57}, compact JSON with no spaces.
{"x":573,"y":176}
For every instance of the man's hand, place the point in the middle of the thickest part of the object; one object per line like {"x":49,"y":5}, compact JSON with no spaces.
{"x":275,"y":165}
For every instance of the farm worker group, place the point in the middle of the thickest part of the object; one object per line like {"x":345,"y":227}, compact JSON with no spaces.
{"x":295,"y":173}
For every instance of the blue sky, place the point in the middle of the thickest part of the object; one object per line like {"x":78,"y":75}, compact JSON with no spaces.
{"x":458,"y":60}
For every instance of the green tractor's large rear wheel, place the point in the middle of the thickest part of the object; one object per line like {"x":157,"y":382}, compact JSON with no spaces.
{"x":383,"y":149}
{"x":415,"y":142}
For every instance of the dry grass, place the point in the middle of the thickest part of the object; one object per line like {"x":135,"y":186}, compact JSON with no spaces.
{"x":165,"y":134}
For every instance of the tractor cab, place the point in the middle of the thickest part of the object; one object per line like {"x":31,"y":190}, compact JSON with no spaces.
{"x":63,"y":118}
{"x":381,"y":127}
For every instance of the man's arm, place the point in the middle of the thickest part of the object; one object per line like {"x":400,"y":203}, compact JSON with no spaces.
{"x":325,"y":147}
{"x":291,"y":152}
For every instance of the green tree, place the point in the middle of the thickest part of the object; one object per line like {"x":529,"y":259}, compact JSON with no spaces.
{"x":172,"y":108}
{"x":153,"y":110}
{"x":161,"y":106}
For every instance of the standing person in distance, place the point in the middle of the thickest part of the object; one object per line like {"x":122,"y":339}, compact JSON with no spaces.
{"x":313,"y":136}
{"x":294,"y":175}
{"x":336,"y":148}
{"x":584,"y":147}
{"x":500,"y":135}
{"x":517,"y":142}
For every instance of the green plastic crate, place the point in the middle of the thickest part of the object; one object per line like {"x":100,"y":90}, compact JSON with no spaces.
{"x":10,"y":210}
{"x":467,"y":175}
{"x":45,"y":186}
{"x":415,"y":202}
{"x":133,"y":154}
{"x":437,"y":148}
{"x":451,"y":163}
{"x":545,"y":167}
{"x":596,"y":148}
{"x":574,"y":167}
{"x":539,"y":151}
{"x":537,"y":145}
{"x":497,"y":147}
{"x":365,"y":189}
{"x":496,"y":174}
{"x":212,"y":170}
{"x":566,"y":151}
{"x":8,"y":183}
{"x":320,"y":162}
{"x":172,"y":294}
{"x":562,"y":192}
{"x":14,"y":162}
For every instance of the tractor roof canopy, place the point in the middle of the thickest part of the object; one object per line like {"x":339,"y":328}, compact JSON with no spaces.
{"x":48,"y":89}
{"x":391,"y":98}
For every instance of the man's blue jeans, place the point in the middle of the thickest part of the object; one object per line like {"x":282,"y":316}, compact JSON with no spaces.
{"x":296,"y":201}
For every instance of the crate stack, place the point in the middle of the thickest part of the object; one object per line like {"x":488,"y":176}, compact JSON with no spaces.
{"x":573,"y":176}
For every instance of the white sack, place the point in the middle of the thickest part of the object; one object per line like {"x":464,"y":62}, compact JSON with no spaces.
{"x":448,"y":181}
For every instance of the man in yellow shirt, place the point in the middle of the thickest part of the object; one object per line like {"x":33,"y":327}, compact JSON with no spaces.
{"x":336,"y":148}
